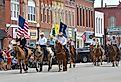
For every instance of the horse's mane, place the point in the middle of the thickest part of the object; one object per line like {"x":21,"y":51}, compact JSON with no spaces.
{"x":59,"y":46}
{"x":19,"y":49}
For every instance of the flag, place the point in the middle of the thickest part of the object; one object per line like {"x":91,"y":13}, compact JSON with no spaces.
{"x":52,"y":30}
{"x":23,"y":27}
{"x":63,"y":29}
{"x":56,"y":26}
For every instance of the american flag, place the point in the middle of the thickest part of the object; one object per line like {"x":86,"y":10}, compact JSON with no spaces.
{"x":23,"y":27}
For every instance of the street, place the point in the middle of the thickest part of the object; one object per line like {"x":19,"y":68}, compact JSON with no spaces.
{"x":83,"y":72}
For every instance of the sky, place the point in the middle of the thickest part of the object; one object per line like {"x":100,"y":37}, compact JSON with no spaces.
{"x":108,"y":2}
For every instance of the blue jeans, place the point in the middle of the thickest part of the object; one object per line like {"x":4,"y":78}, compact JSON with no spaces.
{"x":67,"y":52}
{"x":45,"y":50}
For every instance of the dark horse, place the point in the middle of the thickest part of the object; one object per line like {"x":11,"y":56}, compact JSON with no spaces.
{"x":72,"y":55}
{"x":113,"y":54}
{"x":96,"y":55}
{"x":61,"y":56}
{"x":21,"y":57}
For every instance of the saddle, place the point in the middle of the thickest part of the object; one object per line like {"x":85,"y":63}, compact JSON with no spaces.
{"x":26,"y":51}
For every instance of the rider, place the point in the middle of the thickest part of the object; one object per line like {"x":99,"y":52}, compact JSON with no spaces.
{"x":43,"y":42}
{"x":114,"y":42}
{"x":97,"y":43}
{"x":93,"y":43}
{"x":52,"y":42}
{"x":22,"y":40}
{"x":63,"y":41}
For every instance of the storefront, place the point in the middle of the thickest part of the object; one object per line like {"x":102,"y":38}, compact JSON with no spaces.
{"x":33,"y":35}
{"x":80,"y":41}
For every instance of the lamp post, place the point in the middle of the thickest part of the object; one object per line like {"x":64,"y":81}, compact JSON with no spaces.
{"x":75,"y":30}
{"x":38,"y":26}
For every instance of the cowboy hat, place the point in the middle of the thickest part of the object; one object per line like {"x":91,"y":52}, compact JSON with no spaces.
{"x":60,"y":33}
{"x":42,"y":33}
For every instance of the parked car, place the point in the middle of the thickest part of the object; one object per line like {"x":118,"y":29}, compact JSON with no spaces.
{"x":83,"y":55}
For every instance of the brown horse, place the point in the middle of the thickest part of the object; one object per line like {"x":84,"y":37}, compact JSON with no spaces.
{"x":72,"y":55}
{"x":61,"y":56}
{"x":96,"y":55}
{"x":21,"y":57}
{"x":114,"y":54}
{"x":39,"y":58}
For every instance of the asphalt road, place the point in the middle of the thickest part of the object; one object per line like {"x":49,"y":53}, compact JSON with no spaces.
{"x":83,"y":72}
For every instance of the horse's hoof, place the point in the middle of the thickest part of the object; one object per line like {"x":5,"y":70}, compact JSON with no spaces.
{"x":20,"y":72}
{"x":113,"y":66}
{"x":26,"y":71}
{"x":49,"y":68}
{"x":40,"y":70}
{"x":116,"y":65}
{"x":74,"y":65}
{"x":37,"y":70}
{"x":64,"y":69}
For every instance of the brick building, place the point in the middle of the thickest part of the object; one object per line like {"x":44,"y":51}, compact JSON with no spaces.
{"x":69,"y":19}
{"x":112,"y":15}
{"x":37,"y":12}
{"x":43,"y":14}
{"x":46,"y":16}
{"x":84,"y":21}
{"x":2,"y":23}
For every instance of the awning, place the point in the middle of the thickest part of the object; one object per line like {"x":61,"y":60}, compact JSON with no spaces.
{"x":2,"y":34}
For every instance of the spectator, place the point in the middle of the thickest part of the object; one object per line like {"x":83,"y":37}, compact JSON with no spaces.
{"x":1,"y":59}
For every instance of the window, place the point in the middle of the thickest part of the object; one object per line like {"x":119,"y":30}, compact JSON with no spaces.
{"x":80,"y":17}
{"x":31,"y":10}
{"x":73,"y":18}
{"x":112,"y":21}
{"x":87,"y":18}
{"x":14,"y":9}
{"x":96,"y":25}
{"x":83,"y":17}
{"x":77,"y":16}
{"x":66,"y":17}
{"x":99,"y":25}
{"x":69,"y":18}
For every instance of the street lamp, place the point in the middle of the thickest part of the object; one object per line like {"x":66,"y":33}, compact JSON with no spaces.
{"x":38,"y":26}
{"x":75,"y":30}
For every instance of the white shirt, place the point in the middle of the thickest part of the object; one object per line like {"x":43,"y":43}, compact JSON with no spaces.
{"x":62,"y":40}
{"x":93,"y":43}
{"x":114,"y":41}
{"x":42,"y":41}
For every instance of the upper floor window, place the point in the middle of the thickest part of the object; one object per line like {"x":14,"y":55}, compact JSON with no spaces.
{"x":112,"y":21}
{"x":14,"y":9}
{"x":31,"y":10}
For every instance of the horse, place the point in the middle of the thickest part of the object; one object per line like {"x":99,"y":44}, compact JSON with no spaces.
{"x":72,"y":55}
{"x":96,"y":55}
{"x":61,"y":56}
{"x":113,"y":54}
{"x":21,"y":57}
{"x":40,"y":58}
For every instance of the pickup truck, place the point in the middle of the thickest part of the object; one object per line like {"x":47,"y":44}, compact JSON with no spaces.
{"x":83,"y":55}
